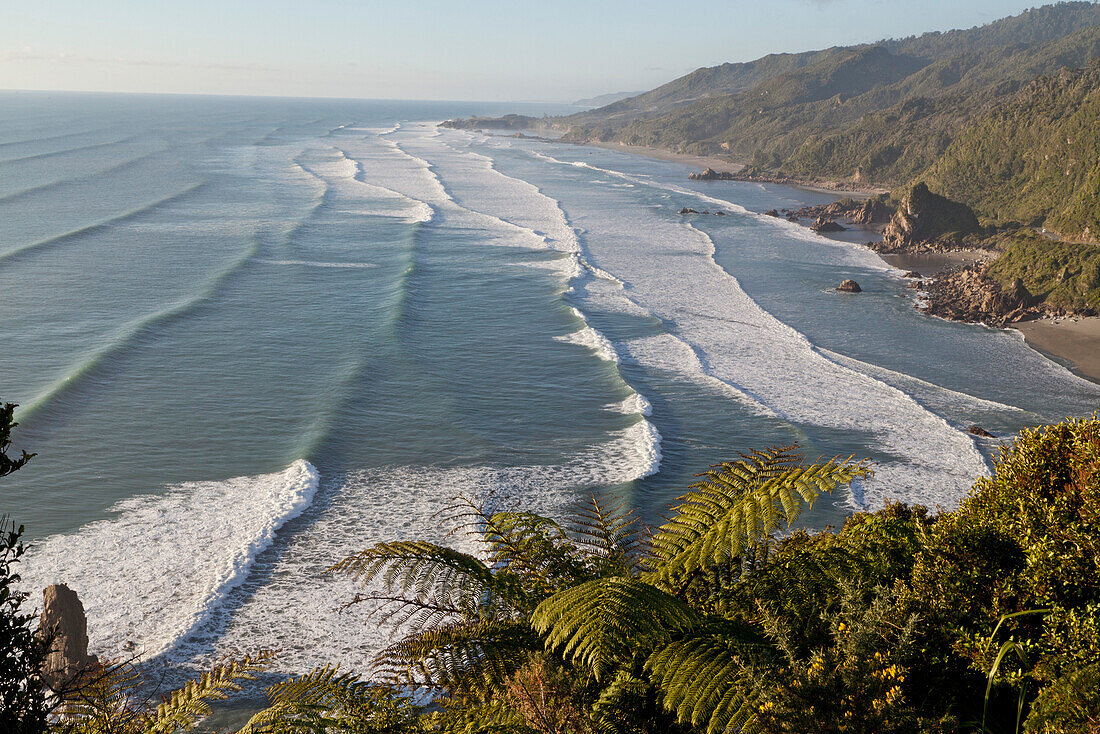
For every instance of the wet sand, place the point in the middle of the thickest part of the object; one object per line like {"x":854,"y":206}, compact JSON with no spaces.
{"x":1074,"y":339}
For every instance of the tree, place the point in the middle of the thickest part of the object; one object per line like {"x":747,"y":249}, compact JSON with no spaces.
{"x":22,"y":700}
{"x":590,"y":625}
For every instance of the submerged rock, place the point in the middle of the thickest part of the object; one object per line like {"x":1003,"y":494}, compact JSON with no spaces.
{"x":849,"y":286}
{"x":685,"y":210}
{"x":771,"y":213}
{"x":979,"y":431}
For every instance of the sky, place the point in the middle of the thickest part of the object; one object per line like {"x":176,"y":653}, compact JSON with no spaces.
{"x":431,"y":49}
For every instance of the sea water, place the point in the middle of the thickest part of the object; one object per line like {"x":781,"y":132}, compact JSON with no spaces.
{"x":249,"y":337}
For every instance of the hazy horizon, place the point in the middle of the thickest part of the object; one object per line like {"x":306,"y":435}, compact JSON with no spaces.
{"x":433,"y":51}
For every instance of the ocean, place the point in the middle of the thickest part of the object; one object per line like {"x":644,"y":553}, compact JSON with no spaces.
{"x":249,"y":337}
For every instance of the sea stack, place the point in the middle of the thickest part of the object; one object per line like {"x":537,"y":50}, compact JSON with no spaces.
{"x":65,"y":625}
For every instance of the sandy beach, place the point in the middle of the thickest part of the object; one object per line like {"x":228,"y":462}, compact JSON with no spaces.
{"x":1076,"y":339}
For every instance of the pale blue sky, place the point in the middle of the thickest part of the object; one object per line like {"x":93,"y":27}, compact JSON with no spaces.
{"x":430,"y":49}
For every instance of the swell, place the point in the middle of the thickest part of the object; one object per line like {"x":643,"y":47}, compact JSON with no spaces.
{"x":803,"y":408}
{"x":57,"y":240}
{"x":121,"y":166}
{"x":132,"y":333}
{"x":592,"y":338}
{"x":66,"y":151}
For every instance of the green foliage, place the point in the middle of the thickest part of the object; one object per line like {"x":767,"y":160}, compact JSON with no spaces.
{"x":22,"y":702}
{"x":740,"y":503}
{"x":600,"y":623}
{"x":1065,"y":275}
{"x":111,"y":701}
{"x":8,"y":463}
{"x":326,"y":701}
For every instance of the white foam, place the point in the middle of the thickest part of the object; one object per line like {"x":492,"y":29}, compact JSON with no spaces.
{"x":296,"y":608}
{"x":159,"y":569}
{"x":586,"y":336}
{"x":725,"y":335}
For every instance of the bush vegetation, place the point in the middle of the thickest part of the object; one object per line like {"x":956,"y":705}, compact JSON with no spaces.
{"x":985,"y":618}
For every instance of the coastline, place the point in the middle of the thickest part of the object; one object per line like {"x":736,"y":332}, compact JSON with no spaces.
{"x":1071,"y":341}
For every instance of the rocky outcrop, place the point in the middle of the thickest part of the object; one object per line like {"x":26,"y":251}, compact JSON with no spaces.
{"x":849,"y":286}
{"x":967,"y":294}
{"x":826,"y":225}
{"x":792,"y":217}
{"x":771,"y":213}
{"x":507,"y":122}
{"x":911,"y":274}
{"x":928,"y":221}
{"x":979,"y":431}
{"x":64,"y":624}
{"x":873,"y":211}
{"x":709,"y":174}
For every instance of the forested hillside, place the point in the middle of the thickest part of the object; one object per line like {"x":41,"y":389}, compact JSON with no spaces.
{"x":968,"y":110}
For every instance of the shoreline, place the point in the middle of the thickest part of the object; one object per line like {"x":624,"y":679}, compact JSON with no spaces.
{"x":723,"y":164}
{"x":1073,"y":342}
{"x":1072,"y":339}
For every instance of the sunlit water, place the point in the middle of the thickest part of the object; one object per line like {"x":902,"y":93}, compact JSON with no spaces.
{"x":249,"y":337}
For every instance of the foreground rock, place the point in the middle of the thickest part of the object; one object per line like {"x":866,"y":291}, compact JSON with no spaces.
{"x":849,"y":286}
{"x":65,"y":625}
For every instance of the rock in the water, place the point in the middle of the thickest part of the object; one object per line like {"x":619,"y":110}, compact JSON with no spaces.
{"x":979,"y":431}
{"x":911,"y":274}
{"x":849,"y":286}
{"x":720,"y":213}
{"x":685,"y":210}
{"x":826,"y":225}
{"x":709,"y":174}
{"x":792,"y":217}
{"x":63,"y":623}
{"x":771,"y":213}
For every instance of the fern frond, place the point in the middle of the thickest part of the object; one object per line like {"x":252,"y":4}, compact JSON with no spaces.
{"x":325,"y":700}
{"x":422,"y":582}
{"x":706,"y":684}
{"x":740,"y":503}
{"x":182,"y":708}
{"x":458,"y":655}
{"x":602,"y":622}
{"x":491,"y":717}
{"x":608,"y":532}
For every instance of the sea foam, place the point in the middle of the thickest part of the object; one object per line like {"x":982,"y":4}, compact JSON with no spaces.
{"x":156,"y":571}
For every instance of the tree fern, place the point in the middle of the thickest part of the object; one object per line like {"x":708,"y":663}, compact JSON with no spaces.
{"x":737,"y":504}
{"x":459,"y":655}
{"x":326,"y":701}
{"x":110,"y":701}
{"x":601,"y":622}
{"x":705,"y":681}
